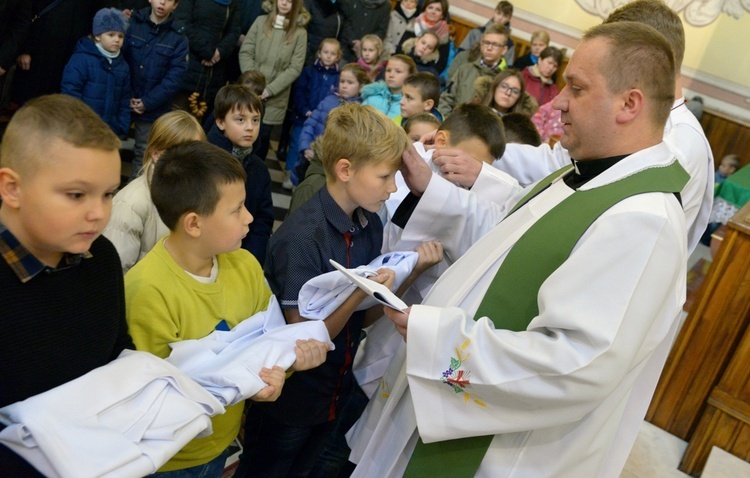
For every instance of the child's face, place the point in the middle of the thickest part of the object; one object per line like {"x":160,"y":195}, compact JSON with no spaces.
{"x":371,"y":185}
{"x":500,"y":17}
{"x":111,"y":41}
{"x":409,"y":4}
{"x":329,"y":54}
{"x":507,"y":93}
{"x":434,"y":12}
{"x":223,"y":230}
{"x":348,"y":85}
{"x":726,"y":168}
{"x":411,"y":101}
{"x":284,"y":6}
{"x":417,"y":130}
{"x":537,"y":46}
{"x":547,"y":66}
{"x":241,"y":126}
{"x":395,"y":73}
{"x":161,"y":9}
{"x":64,"y":203}
{"x":494,"y":46}
{"x":369,"y":52}
{"x":425,"y":45}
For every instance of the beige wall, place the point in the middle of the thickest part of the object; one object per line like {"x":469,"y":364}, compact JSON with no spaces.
{"x":717,"y":56}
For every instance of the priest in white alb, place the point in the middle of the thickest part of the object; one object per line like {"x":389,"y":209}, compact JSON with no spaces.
{"x":537,"y":352}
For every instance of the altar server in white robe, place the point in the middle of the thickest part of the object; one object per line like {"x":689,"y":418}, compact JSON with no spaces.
{"x":564,"y":394}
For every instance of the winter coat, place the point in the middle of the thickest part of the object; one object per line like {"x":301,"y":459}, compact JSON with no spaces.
{"x":379,"y":96}
{"x":363,"y":17}
{"x":104,"y":86}
{"x":543,"y":91}
{"x":313,"y":85}
{"x":397,"y":26}
{"x":135,"y":225}
{"x":280,"y":61}
{"x":315,"y":179}
{"x":209,"y":26}
{"x":316,"y":123}
{"x":257,"y":197}
{"x":326,"y":21}
{"x":461,"y":87}
{"x":428,"y":63}
{"x":158,"y":60}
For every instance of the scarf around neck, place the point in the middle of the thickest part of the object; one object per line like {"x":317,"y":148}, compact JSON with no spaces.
{"x":439,"y":28}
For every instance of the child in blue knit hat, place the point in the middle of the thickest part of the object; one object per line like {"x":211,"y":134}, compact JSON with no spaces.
{"x":98,"y":75}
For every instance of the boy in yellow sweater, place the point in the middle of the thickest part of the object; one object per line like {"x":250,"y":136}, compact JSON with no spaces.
{"x":198,"y":279}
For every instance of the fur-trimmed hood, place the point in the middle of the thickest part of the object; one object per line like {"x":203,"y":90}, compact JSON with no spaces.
{"x":408,"y":48}
{"x":302,"y":19}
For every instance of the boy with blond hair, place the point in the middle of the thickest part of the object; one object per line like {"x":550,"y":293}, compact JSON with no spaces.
{"x":361,"y":151}
{"x":198,"y":279}
{"x":60,"y":282}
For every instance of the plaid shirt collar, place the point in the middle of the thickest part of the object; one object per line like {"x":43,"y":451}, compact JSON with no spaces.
{"x":23,"y":262}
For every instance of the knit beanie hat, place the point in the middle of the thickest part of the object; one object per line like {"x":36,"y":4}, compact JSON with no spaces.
{"x":109,"y":20}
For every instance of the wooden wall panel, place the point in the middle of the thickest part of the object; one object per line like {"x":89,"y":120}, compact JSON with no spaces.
{"x":726,"y":136}
{"x":714,"y":326}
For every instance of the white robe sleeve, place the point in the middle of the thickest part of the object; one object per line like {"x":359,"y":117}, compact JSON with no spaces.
{"x":529,"y":164}
{"x":590,"y":338}
{"x":455,"y":216}
{"x":494,"y":185}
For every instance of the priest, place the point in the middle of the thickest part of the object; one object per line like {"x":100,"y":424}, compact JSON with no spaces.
{"x":537,"y":352}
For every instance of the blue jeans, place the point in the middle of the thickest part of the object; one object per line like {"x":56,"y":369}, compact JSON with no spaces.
{"x":212,"y":469}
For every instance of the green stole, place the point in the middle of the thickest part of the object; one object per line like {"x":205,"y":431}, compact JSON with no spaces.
{"x":511,"y":300}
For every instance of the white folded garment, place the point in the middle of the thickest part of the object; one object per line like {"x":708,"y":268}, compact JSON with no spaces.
{"x":124,"y":419}
{"x":228,"y":363}
{"x":322,"y":295}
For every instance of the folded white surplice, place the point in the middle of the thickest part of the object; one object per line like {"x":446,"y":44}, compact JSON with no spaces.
{"x":322,"y":295}
{"x":124,"y":419}
{"x":227,"y":363}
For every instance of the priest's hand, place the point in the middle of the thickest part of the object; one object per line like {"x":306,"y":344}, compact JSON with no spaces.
{"x":274,"y":377}
{"x":400,"y":319}
{"x":416,"y":172}
{"x":310,"y":353}
{"x":457,"y":166}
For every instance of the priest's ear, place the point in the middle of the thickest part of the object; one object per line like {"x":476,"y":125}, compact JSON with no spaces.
{"x":631,"y":106}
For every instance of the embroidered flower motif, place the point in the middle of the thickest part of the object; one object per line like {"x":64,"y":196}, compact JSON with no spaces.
{"x":385,"y":388}
{"x":458,"y":379}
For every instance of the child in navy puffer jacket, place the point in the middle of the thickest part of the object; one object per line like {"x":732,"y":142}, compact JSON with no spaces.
{"x":315,"y":83}
{"x":351,"y":80}
{"x":98,"y":75}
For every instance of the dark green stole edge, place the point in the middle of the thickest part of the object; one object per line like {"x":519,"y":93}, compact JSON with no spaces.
{"x":511,"y":299}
